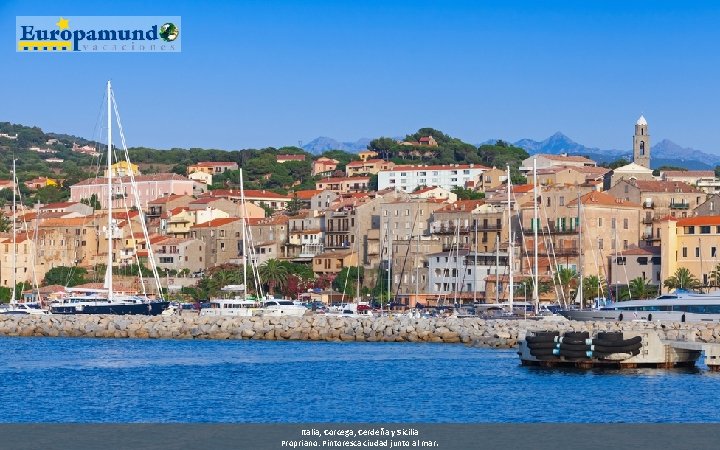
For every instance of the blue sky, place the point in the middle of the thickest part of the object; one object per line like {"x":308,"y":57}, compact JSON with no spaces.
{"x":261,"y":73}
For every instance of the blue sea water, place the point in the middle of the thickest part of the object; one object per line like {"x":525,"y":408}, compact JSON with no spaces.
{"x":116,"y":380}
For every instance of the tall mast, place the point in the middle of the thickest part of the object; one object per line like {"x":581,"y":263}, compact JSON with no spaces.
{"x":14,"y":239}
{"x":536,"y":223}
{"x":389,"y":280}
{"x":510,"y":242}
{"x":497,"y":268}
{"x":580,"y":254}
{"x":244,"y":235}
{"x":108,"y":270}
{"x":476,"y":266}
{"x":417,"y":268}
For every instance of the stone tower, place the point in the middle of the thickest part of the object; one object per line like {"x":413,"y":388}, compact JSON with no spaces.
{"x":641,"y":143}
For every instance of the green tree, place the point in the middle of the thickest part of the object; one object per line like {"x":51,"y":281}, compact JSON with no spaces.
{"x":92,"y":201}
{"x":593,"y":287}
{"x":65,"y":276}
{"x":346,"y":280}
{"x":5,"y":223}
{"x":682,"y":279}
{"x":526,"y":286}
{"x":565,"y":280}
{"x":274,"y":274}
{"x":639,"y":288}
{"x":294,"y":206}
{"x":467,"y":194}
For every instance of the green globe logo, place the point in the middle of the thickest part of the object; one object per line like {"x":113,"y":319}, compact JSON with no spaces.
{"x":169,"y":32}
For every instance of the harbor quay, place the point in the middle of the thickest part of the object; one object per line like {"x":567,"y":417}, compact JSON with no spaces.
{"x":501,"y":333}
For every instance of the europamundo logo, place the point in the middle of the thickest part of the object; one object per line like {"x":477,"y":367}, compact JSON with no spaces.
{"x":114,"y":34}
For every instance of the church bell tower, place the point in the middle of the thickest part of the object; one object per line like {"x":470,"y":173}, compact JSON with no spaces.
{"x":641,"y":143}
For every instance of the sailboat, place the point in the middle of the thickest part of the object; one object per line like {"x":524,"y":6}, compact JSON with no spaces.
{"x":106,"y":300}
{"x":15,"y":307}
{"x":239,"y":305}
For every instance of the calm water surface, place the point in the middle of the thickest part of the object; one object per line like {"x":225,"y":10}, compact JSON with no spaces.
{"x":107,"y":380}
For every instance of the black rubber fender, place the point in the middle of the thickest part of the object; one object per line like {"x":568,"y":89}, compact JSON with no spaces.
{"x":534,"y":339}
{"x":613,"y":336}
{"x":611,"y":350}
{"x":574,"y":347}
{"x":542,"y":351}
{"x":572,"y":341}
{"x":535,"y":345}
{"x":576,"y":335}
{"x":623,"y":343}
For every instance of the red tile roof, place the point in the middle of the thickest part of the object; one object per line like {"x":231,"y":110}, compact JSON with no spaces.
{"x":664,"y":186}
{"x":217,"y":222}
{"x":307,"y":194}
{"x":689,"y":173}
{"x":604,"y":199}
{"x":699,"y":220}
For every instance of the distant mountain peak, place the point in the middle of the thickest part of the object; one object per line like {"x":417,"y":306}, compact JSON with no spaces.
{"x":323,"y":143}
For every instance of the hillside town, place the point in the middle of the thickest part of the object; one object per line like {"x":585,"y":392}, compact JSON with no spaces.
{"x":411,"y":233}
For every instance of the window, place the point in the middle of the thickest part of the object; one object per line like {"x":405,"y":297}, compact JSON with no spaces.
{"x":466,"y":172}
{"x":625,"y":244}
{"x":713,"y":252}
{"x":689,"y":230}
{"x":621,"y":261}
{"x":599,"y":221}
{"x":705,"y":229}
{"x":684,"y":252}
{"x":626,"y":224}
{"x":561,"y":201}
{"x":697,"y":252}
{"x":612,"y":223}
{"x":600,"y":244}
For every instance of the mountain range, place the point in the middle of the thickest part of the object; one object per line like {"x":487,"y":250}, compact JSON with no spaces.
{"x":664,"y":153}
{"x":322,"y":144}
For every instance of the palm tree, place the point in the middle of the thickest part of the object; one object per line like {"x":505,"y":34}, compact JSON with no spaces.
{"x":593,"y":287}
{"x":565,"y":278}
{"x":274,"y":273}
{"x":682,"y":279}
{"x":715,"y":276}
{"x":638,"y":288}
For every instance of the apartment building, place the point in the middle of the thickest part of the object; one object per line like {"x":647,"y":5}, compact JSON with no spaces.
{"x":409,"y":178}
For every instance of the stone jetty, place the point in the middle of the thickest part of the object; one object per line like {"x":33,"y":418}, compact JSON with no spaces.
{"x":392,"y":328}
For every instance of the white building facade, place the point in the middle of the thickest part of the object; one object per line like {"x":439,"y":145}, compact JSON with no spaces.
{"x":410,"y":178}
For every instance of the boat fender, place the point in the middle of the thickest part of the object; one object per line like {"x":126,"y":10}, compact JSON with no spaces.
{"x":649,"y":317}
{"x":682,"y":319}
{"x":624,"y":343}
{"x":620,"y":317}
{"x":611,"y":350}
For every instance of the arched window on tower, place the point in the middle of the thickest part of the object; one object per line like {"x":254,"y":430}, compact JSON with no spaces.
{"x":642,"y":147}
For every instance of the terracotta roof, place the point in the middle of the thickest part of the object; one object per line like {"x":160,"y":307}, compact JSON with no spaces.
{"x":461,"y":206}
{"x":324,"y":159}
{"x":214,"y":164}
{"x":166,"y":199}
{"x":413,"y":168}
{"x":604,"y":199}
{"x":699,"y":220}
{"x":568,"y":158}
{"x":205,"y":200}
{"x":253,"y":193}
{"x":307,"y":194}
{"x":369,"y":161}
{"x":641,"y":251}
{"x":217,"y":222}
{"x":520,"y":188}
{"x":340,"y":254}
{"x":426,"y":189}
{"x":274,"y":220}
{"x":139,"y":179}
{"x":71,"y":222}
{"x":664,"y":186}
{"x":689,"y":173}
{"x":58,"y":205}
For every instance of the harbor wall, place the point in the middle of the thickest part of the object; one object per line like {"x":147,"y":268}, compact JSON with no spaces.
{"x":398,"y":328}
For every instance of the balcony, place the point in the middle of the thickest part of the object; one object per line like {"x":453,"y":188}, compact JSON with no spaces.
{"x":647,"y":220}
{"x":454,"y":247}
{"x":679,"y":206}
{"x":553,"y":230}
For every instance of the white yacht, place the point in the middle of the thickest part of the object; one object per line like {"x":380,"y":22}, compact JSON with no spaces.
{"x":23,"y":309}
{"x":278,"y":307}
{"x":676,"y":307}
{"x":236,"y":307}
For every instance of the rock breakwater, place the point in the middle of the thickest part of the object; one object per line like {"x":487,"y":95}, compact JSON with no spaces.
{"x":398,"y":328}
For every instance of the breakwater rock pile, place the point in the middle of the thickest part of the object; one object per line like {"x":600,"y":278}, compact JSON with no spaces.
{"x":393,"y":328}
